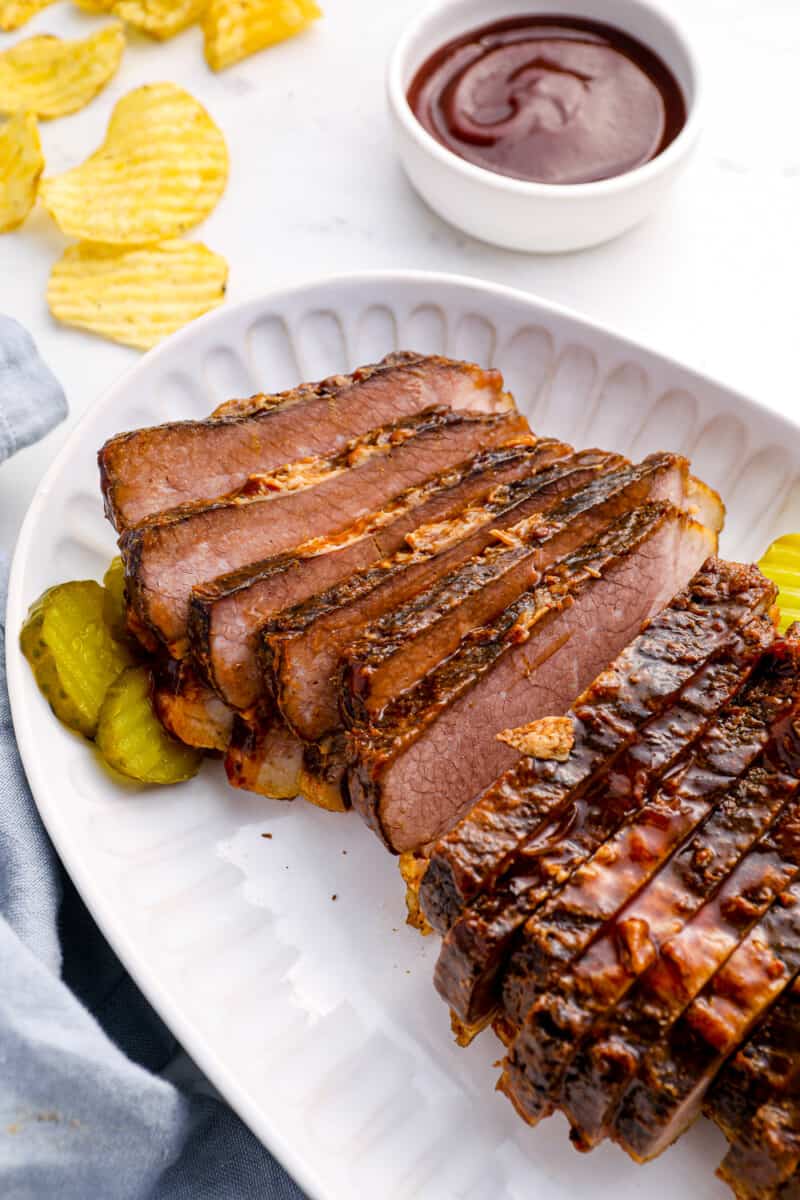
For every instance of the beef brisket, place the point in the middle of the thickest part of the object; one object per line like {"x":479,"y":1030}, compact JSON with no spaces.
{"x":188,"y":708}
{"x":641,"y":684}
{"x":166,"y":558}
{"x":435,"y":748}
{"x":409,"y":641}
{"x":763,"y":1066}
{"x":678,"y":951}
{"x":264,"y":757}
{"x":672,"y":1082}
{"x":549,"y":980}
{"x":476,"y":947}
{"x":227,"y":613}
{"x":302,"y":647}
{"x":767,"y":1154}
{"x":153,"y":470}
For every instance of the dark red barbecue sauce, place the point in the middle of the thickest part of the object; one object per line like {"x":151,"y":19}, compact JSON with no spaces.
{"x":549,"y":99}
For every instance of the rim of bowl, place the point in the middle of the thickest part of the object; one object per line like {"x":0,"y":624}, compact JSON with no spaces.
{"x":677,"y":149}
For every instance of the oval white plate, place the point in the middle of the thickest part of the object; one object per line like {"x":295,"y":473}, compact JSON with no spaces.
{"x":283,"y":964}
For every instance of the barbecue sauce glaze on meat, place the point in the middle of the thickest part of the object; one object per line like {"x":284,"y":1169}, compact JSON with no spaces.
{"x":549,"y":99}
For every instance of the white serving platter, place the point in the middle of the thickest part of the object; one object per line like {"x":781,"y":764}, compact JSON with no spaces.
{"x":316,"y":1017}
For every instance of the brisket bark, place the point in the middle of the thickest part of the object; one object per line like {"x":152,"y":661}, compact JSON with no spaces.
{"x":227,"y":613}
{"x":763,"y":1066}
{"x":672,"y":1082}
{"x":153,"y":470}
{"x":607,"y":718}
{"x":767,"y":1154}
{"x":475,"y":951}
{"x":436,"y":747}
{"x":411,"y":640}
{"x":167,"y":557}
{"x":679,"y":951}
{"x":302,"y":648}
{"x":548,"y":979}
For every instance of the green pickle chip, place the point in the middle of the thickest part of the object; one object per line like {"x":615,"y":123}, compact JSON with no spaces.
{"x":114,"y":607}
{"x":781,"y":564}
{"x":133,"y":741}
{"x":72,"y":652}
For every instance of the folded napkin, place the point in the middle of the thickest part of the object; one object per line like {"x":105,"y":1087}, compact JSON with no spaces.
{"x":89,"y":1109}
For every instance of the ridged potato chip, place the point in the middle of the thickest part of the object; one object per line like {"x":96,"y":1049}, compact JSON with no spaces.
{"x":52,"y":78}
{"x":21,"y":166}
{"x":15,"y":13}
{"x":235,"y":29}
{"x":137,"y":297}
{"x":160,"y":18}
{"x":161,"y":170}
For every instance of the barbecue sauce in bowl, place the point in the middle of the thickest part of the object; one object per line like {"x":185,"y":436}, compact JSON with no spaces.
{"x":556,"y":100}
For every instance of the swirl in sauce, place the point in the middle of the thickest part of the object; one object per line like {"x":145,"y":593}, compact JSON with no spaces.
{"x":549,"y":99}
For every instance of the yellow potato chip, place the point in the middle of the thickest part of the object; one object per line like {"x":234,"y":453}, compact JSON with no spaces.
{"x":137,"y":297}
{"x":21,"y":165}
{"x":95,"y":6}
{"x":236,"y":28}
{"x":51,"y":78}
{"x":161,"y":170}
{"x":15,"y":13}
{"x":160,"y":18}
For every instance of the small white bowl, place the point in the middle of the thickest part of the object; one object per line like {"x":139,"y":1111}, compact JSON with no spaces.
{"x":539,"y":217}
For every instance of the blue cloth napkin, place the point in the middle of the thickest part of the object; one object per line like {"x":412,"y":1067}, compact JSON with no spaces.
{"x":87,"y":1109}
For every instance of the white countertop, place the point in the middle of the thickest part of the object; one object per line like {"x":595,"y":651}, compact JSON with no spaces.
{"x":315,"y":189}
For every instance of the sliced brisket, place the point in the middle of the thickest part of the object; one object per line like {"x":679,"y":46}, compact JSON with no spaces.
{"x":436,"y":747}
{"x":684,"y":950}
{"x":549,"y":980}
{"x":227,"y":613}
{"x":641,"y":684}
{"x":672,"y":1082}
{"x":411,"y":640}
{"x":188,"y":708}
{"x":767,"y":1154}
{"x":475,"y":950}
{"x":167,"y":557}
{"x":303,"y":647}
{"x":153,"y":470}
{"x":264,"y":757}
{"x":763,"y":1066}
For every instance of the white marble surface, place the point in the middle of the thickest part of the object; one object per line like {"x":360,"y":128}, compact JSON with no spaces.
{"x":316,"y":189}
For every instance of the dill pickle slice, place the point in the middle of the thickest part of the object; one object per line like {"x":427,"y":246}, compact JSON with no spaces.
{"x":133,"y":741}
{"x":781,"y":564}
{"x":72,"y":653}
{"x":114,"y":606}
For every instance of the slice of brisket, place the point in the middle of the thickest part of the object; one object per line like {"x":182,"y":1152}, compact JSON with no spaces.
{"x":227,"y":613}
{"x":641,"y":684}
{"x":395,"y":652}
{"x":548,"y":979}
{"x":695,"y":945}
{"x":475,"y":950}
{"x":763,"y":1066}
{"x":264,"y":757}
{"x":188,"y":708}
{"x":746,"y":1100}
{"x":169,"y":556}
{"x":435,"y":748}
{"x":672,"y":1082}
{"x":153,"y":470}
{"x":767,"y":1154}
{"x":302,"y":648}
